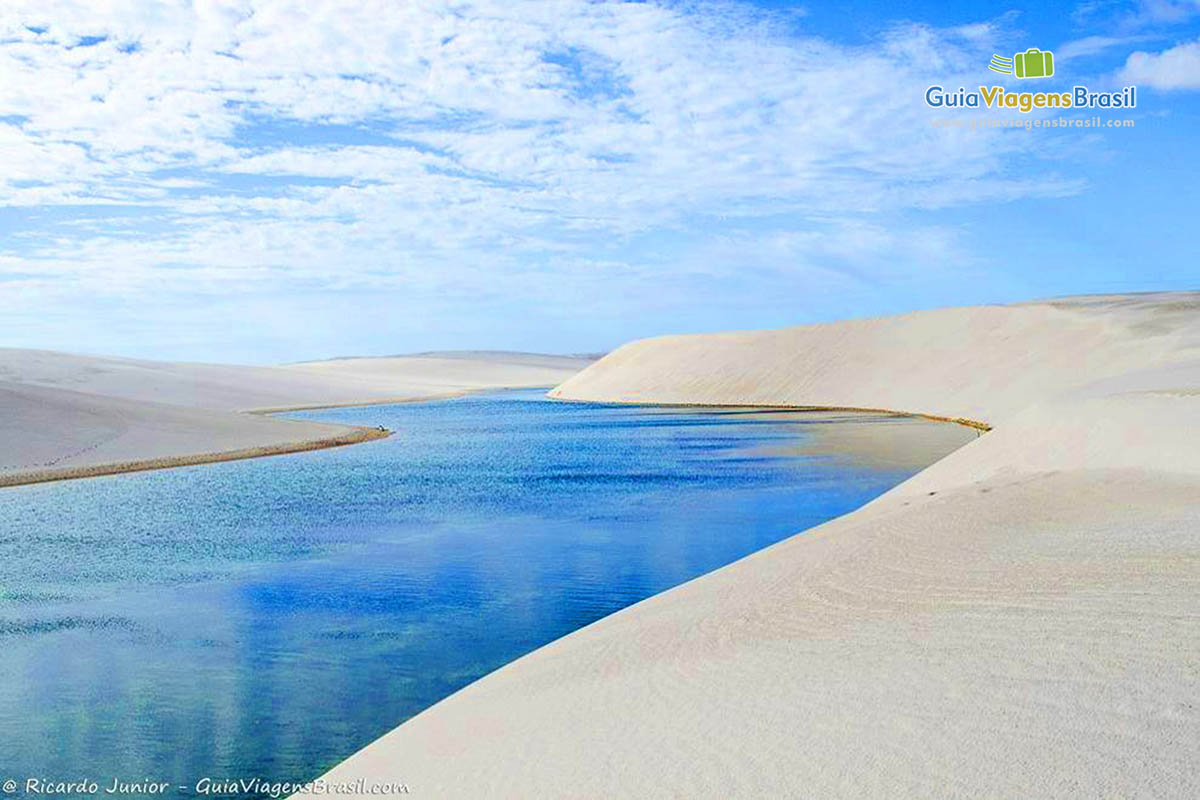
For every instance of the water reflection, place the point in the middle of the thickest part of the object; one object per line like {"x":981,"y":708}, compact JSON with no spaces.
{"x":269,"y":617}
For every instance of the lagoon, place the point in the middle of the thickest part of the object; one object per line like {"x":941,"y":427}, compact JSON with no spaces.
{"x":267,"y":618}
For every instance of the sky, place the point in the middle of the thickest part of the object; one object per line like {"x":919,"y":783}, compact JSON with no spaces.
{"x":264,"y":182}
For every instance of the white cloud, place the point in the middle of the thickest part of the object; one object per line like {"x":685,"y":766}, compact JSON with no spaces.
{"x":441,"y":144}
{"x":1177,"y":68}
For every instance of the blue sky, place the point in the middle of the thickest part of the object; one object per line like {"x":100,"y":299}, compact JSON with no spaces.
{"x":259,"y":182}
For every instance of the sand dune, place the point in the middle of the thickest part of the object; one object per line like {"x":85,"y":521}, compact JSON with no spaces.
{"x":437,"y":374}
{"x":64,"y":416}
{"x":1022,"y":619}
{"x":225,"y":387}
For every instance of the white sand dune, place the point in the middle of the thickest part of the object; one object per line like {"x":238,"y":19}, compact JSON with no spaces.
{"x":1021,"y":619}
{"x":436,"y":374}
{"x":65,"y":416}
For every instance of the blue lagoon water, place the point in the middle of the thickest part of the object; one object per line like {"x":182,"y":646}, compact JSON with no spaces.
{"x":269,"y":617}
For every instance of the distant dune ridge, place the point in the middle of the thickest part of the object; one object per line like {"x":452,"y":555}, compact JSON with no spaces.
{"x":1021,"y":619}
{"x":67,"y":416}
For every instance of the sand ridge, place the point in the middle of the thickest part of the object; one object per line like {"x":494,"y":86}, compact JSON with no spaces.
{"x":69,"y":416}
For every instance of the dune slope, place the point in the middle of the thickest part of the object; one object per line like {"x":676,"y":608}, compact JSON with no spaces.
{"x":67,"y":416}
{"x":1022,"y":619}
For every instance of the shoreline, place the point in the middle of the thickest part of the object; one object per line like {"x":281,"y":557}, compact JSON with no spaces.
{"x":977,"y":425}
{"x":353,"y":436}
{"x":357,"y":435}
{"x":70,"y":416}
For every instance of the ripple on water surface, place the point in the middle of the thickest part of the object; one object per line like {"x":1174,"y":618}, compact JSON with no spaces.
{"x":269,"y":617}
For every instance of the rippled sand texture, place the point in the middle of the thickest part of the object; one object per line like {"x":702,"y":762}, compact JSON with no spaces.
{"x":1021,"y":619}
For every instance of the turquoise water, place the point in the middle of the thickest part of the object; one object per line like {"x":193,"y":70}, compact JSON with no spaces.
{"x":267,"y":618}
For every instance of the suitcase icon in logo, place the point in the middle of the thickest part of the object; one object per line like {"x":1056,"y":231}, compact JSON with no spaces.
{"x":1034,"y":63}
